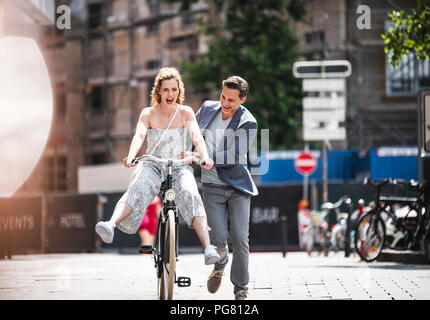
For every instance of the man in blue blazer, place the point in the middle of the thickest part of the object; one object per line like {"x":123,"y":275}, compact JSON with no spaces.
{"x":229,"y":130}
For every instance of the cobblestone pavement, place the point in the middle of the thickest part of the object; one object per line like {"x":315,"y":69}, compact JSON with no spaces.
{"x":273,"y":277}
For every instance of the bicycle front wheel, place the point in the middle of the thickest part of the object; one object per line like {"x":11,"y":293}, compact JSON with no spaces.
{"x":369,"y":236}
{"x":158,"y":259}
{"x":169,"y":259}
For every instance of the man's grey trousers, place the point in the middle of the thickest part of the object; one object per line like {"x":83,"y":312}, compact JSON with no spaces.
{"x":224,"y":203}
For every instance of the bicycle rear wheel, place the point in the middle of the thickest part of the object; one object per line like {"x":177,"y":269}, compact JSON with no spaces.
{"x":369,"y":236}
{"x":169,"y":258}
{"x":426,"y":236}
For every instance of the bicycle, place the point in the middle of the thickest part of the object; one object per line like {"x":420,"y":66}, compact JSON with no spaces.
{"x":394,"y":222}
{"x":336,"y":238}
{"x":165,"y":248}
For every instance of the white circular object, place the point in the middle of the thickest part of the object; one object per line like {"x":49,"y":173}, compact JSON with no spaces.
{"x":170,"y":195}
{"x":25,"y":110}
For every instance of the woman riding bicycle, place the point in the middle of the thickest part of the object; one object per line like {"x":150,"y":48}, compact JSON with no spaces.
{"x":165,"y":126}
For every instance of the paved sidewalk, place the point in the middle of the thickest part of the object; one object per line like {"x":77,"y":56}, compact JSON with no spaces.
{"x":131,"y":277}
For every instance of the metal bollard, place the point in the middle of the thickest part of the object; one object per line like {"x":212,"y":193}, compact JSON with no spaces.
{"x":101,"y":200}
{"x":5,"y":250}
{"x":8,"y":243}
{"x":2,"y":245}
{"x":348,"y":230}
{"x":284,"y":235}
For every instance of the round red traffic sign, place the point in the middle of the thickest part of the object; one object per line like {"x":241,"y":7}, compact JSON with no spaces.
{"x":305,"y":163}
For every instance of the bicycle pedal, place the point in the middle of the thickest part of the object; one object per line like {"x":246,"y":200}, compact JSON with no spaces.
{"x":146,"y":249}
{"x":183,"y":281}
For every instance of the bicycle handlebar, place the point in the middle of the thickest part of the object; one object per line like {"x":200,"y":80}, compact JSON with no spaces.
{"x":412,"y":184}
{"x":337,"y":204}
{"x":190,"y":159}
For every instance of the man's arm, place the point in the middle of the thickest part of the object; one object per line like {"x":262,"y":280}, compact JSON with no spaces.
{"x":194,"y":131}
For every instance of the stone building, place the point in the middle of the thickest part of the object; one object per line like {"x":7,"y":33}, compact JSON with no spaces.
{"x":381,"y":100}
{"x":102,"y":71}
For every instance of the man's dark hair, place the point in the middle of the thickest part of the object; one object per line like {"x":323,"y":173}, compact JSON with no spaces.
{"x":238,"y":83}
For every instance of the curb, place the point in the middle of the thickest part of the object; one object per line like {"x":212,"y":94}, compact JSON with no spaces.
{"x":407,"y":256}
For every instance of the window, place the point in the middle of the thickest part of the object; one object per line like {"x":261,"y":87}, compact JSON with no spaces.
{"x":182,"y":40}
{"x":154,"y":7}
{"x":96,"y":100}
{"x":60,"y":106}
{"x":152,"y":29}
{"x":149,"y":87}
{"x":153,"y":64}
{"x":410,"y":76}
{"x":55,"y":173}
{"x":99,"y":158}
{"x":187,"y":19}
{"x":424,"y":74}
{"x":317,"y":36}
{"x":94,"y":15}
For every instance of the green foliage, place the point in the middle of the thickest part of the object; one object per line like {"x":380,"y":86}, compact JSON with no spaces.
{"x":410,"y":33}
{"x":255,"y":41}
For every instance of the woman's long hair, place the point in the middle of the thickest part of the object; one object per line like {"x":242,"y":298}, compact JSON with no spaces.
{"x":167,"y":74}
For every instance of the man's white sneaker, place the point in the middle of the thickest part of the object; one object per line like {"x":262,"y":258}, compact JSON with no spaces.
{"x":211,"y":256}
{"x":105,"y":230}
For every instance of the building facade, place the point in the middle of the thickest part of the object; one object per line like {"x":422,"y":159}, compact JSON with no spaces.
{"x":102,"y":71}
{"x":381,"y":100}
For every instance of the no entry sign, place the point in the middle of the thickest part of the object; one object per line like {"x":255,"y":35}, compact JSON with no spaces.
{"x":305,"y":163}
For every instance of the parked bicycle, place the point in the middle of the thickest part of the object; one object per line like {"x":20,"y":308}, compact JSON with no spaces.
{"x":337,"y":230}
{"x":325,"y":230}
{"x":165,"y":248}
{"x":394,"y":222}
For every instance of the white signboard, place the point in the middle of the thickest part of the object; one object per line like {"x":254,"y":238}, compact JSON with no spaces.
{"x":323,"y":85}
{"x":325,"y":105}
{"x":329,"y":117}
{"x":322,"y":69}
{"x":324,"y":134}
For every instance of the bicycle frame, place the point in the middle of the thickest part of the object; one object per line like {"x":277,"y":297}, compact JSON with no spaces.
{"x":167,"y":205}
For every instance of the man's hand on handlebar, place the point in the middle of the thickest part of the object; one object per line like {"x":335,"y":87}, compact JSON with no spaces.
{"x":209,"y":163}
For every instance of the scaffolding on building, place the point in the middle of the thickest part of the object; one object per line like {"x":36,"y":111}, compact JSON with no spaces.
{"x":124,"y":43}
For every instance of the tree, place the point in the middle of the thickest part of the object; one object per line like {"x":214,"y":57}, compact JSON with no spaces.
{"x":253,"y":39}
{"x":410,"y":33}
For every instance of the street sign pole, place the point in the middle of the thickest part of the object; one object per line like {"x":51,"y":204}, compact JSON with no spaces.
{"x":424,"y":143}
{"x":306,"y":178}
{"x":421,"y":128}
{"x":305,"y":186}
{"x":324,"y":164}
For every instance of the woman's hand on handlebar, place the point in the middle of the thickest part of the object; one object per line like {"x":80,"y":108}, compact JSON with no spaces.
{"x":208,"y":162}
{"x":128,"y":162}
